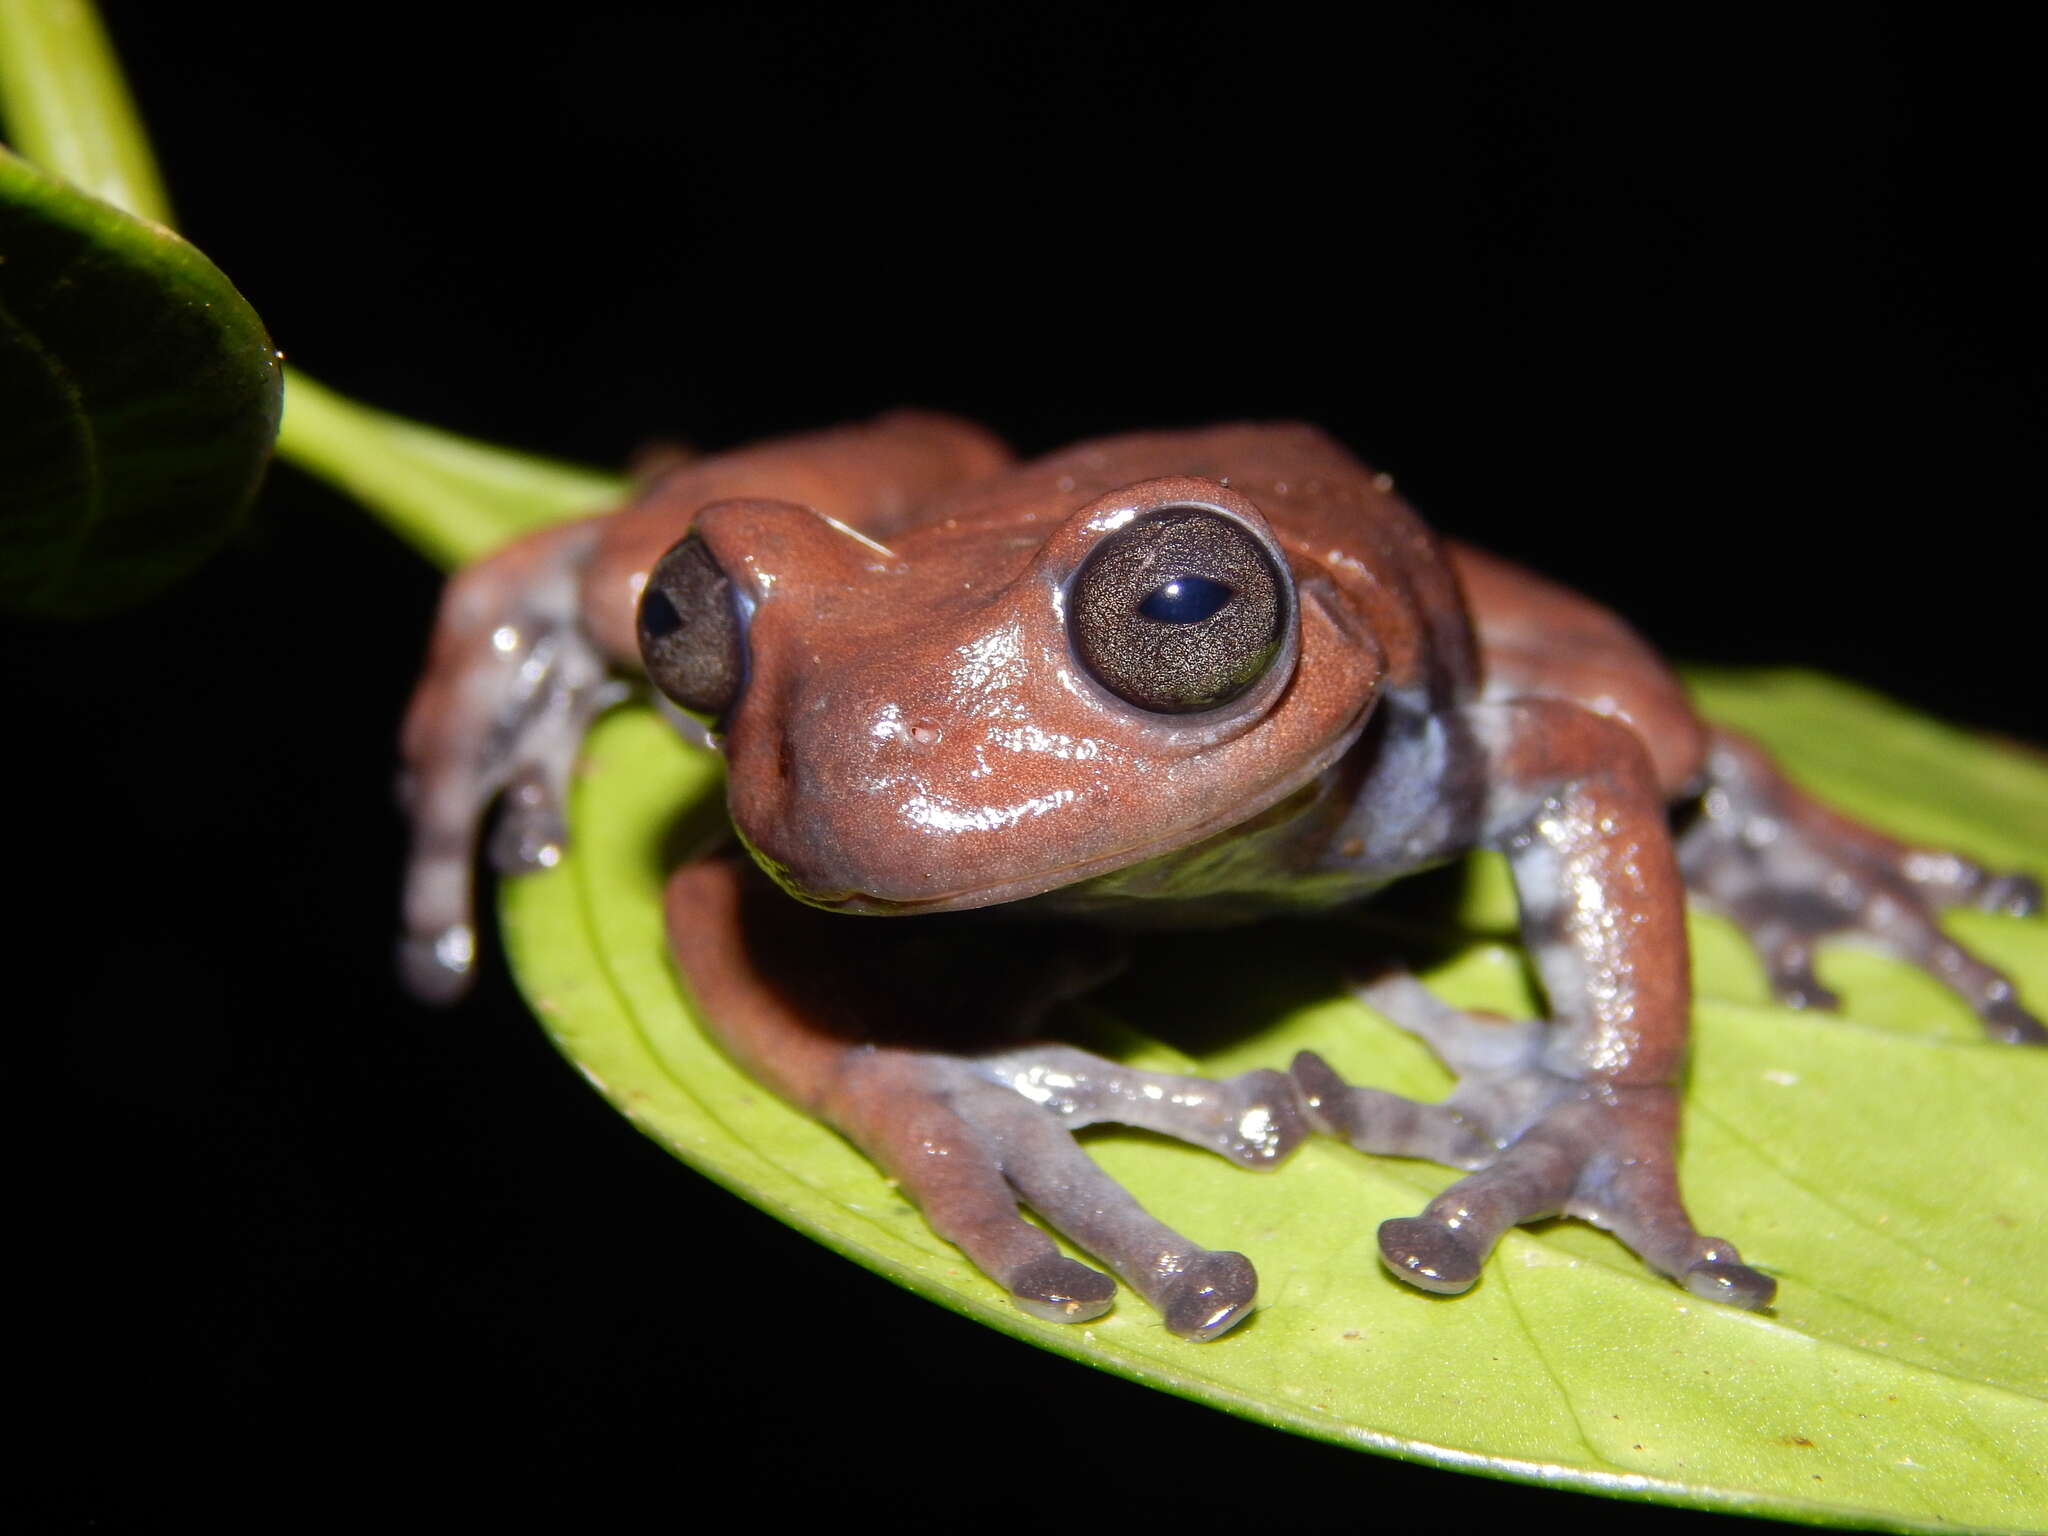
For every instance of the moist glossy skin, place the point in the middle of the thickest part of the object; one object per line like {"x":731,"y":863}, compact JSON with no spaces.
{"x":942,"y":684}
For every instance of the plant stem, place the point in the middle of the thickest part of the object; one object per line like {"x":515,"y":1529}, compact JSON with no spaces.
{"x":450,"y":497}
{"x":66,"y":107}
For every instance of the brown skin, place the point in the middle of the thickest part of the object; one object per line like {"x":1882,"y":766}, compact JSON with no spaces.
{"x":914,"y":730}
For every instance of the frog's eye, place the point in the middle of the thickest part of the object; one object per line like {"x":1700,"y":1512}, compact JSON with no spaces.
{"x":690,"y":634}
{"x":1179,"y":611}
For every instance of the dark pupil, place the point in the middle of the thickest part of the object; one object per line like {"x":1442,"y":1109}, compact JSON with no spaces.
{"x":658,"y":615}
{"x":1186,"y":600}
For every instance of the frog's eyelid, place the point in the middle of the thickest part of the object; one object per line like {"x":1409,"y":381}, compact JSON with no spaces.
{"x":857,"y":536}
{"x":1217,"y":656}
{"x":692,"y":623}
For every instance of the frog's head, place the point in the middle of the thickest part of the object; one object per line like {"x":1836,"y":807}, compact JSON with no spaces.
{"x":1010,"y":700}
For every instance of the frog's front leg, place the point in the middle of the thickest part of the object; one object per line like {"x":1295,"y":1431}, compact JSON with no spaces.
{"x":511,"y":684}
{"x":1789,"y":872}
{"x":848,"y":1034}
{"x":1580,"y":1118}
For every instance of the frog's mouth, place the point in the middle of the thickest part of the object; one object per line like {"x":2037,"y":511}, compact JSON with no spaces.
{"x":1284,"y":800}
{"x":867,"y":904}
{"x":857,"y":903}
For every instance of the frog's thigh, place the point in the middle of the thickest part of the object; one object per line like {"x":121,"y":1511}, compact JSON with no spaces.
{"x":1540,"y":640}
{"x":968,"y":1135}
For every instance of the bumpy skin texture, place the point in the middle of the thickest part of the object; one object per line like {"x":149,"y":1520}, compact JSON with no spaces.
{"x":911,"y":728}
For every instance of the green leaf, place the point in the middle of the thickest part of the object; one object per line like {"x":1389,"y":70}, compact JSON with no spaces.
{"x":140,"y":395}
{"x":139,"y":389}
{"x":1893,"y":1182}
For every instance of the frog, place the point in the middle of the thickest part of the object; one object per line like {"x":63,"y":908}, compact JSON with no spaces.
{"x":1203,"y":679}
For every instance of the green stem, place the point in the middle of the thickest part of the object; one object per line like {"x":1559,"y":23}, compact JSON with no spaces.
{"x":450,"y":497}
{"x":66,"y":107}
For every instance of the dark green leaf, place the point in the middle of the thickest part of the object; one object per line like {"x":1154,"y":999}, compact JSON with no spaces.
{"x":140,"y":396}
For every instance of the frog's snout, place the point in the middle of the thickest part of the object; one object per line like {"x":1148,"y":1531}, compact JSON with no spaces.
{"x":873,"y":807}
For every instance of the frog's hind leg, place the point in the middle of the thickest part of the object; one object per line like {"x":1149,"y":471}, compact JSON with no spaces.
{"x":1790,"y":872}
{"x":970,"y":1137}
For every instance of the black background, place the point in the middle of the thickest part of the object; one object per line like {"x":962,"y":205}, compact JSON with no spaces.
{"x":1729,"y":321}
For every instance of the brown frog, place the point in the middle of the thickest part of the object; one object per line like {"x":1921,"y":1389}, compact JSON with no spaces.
{"x":1196,"y":677}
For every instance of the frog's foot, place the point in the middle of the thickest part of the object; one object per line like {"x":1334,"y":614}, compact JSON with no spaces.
{"x":969,"y":1138}
{"x":511,"y":685}
{"x":1543,"y":1144}
{"x":1790,"y":872}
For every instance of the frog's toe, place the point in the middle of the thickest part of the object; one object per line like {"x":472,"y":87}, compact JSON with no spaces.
{"x":1627,"y":1183}
{"x":1209,"y":1297}
{"x":1788,"y":966}
{"x":1057,"y":1289}
{"x":531,"y":831}
{"x":2006,"y":1020}
{"x":1791,"y":872}
{"x":1373,"y":1120}
{"x":1730,"y":1282}
{"x":437,"y":967}
{"x":1466,"y":1042}
{"x":2012,"y":895}
{"x":1430,"y":1255}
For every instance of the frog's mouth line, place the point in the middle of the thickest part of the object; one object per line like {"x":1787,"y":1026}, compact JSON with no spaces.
{"x":859,"y":903}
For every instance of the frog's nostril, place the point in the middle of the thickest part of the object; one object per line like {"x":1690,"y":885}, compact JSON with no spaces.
{"x":891,"y":726}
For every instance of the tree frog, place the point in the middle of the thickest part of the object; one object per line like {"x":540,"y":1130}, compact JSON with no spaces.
{"x":1197,"y":678}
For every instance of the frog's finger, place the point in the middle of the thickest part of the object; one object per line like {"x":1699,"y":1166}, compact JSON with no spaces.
{"x":1254,"y":1119}
{"x":1442,"y":1249}
{"x":437,"y":951}
{"x":1373,"y":1120}
{"x":1635,"y":1196}
{"x":1950,"y":880}
{"x":906,"y":1114}
{"x":966,"y":1148}
{"x":1787,"y":954}
{"x":1198,"y":1293}
{"x":510,"y":686}
{"x":532,"y":827}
